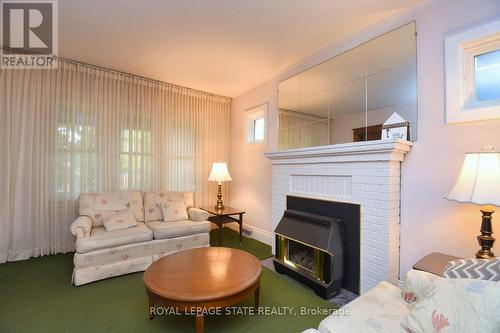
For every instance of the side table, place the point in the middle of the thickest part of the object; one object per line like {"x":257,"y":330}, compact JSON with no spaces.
{"x":434,"y":263}
{"x":223,"y":216}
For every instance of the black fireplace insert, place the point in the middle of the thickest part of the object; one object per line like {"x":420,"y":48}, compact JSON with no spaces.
{"x":317,"y":243}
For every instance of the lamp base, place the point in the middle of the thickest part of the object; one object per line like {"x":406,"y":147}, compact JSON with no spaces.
{"x":486,"y":239}
{"x":220,"y":204}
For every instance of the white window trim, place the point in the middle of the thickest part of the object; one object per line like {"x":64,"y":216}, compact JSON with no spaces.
{"x":460,"y":50}
{"x":250,"y":116}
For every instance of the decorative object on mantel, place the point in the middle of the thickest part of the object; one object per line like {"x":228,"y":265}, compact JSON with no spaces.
{"x":479,"y":183}
{"x":219,"y":174}
{"x":396,"y":127}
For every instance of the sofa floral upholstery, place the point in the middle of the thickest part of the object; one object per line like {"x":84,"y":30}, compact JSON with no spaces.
{"x":101,"y":254}
{"x":457,"y":305}
{"x":102,"y":239}
{"x":154,"y":200}
{"x":110,"y":262}
{"x":132,"y":201}
{"x":165,"y":230}
{"x":380,"y":310}
{"x":417,"y":284}
{"x":427,"y":303}
{"x":162,"y":247}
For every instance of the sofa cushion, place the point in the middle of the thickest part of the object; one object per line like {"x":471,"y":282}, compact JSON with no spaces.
{"x":102,"y":239}
{"x":457,"y":306}
{"x":132,"y":200}
{"x":380,"y":310}
{"x":164,"y":230}
{"x":173,"y":211}
{"x":108,"y":201}
{"x":153,"y":201}
{"x":417,"y":285}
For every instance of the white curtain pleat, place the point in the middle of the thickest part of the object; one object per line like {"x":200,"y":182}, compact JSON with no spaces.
{"x":79,"y":128}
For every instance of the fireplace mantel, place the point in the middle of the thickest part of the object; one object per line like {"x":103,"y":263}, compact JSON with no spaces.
{"x":367,"y":174}
{"x":379,"y":150}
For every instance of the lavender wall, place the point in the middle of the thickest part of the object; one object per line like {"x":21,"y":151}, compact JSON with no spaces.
{"x":428,"y":222}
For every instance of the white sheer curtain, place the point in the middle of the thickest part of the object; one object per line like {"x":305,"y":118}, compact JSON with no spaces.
{"x":80,"y":128}
{"x":299,"y":129}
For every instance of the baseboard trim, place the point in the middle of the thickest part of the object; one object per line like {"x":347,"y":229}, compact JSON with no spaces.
{"x":259,"y":234}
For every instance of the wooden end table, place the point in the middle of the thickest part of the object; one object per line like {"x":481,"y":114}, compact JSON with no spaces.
{"x":202,"y":278}
{"x":434,"y":263}
{"x":223,"y":216}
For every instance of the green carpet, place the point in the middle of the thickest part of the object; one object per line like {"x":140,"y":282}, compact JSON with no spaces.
{"x":36,"y":296}
{"x":230,"y":238}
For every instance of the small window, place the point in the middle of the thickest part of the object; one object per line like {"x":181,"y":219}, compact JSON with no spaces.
{"x":473,"y":74}
{"x":258,"y":130}
{"x":487,"y":74}
{"x":256,"y":124}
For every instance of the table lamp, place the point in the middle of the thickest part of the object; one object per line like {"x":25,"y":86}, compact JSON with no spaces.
{"x":479,"y":183}
{"x":219,"y":174}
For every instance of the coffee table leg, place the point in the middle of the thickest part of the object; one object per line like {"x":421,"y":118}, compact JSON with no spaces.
{"x":151,"y":304}
{"x":257,"y":296}
{"x":200,"y":323}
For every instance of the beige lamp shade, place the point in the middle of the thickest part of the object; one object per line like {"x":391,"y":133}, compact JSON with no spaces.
{"x":479,"y":180}
{"x":219,"y":173}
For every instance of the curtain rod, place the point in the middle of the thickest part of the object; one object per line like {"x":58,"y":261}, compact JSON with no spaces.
{"x":114,"y":71}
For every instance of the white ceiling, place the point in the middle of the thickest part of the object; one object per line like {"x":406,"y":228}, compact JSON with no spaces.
{"x":221,"y":46}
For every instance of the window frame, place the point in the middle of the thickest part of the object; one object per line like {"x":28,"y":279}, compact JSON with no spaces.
{"x":460,"y":51}
{"x":469,"y":54}
{"x":251,"y":115}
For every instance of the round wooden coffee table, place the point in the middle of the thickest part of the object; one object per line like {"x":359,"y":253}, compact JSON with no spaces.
{"x":203,"y":278}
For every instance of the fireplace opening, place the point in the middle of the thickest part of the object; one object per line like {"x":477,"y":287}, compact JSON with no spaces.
{"x":318,"y":244}
{"x":301,"y":255}
{"x":310,"y":261}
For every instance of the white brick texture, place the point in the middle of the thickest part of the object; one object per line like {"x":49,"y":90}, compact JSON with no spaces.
{"x":369,"y":175}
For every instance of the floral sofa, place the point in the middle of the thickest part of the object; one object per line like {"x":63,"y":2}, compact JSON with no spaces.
{"x":463,"y":300}
{"x":380,"y":310}
{"x":101,"y":254}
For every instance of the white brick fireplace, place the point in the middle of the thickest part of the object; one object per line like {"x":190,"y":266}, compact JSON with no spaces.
{"x":364,"y":173}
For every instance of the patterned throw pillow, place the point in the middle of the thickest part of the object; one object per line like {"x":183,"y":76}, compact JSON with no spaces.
{"x":417,"y":285}
{"x":119,"y":221}
{"x":482,"y":269}
{"x":458,"y":306}
{"x":174,"y":211}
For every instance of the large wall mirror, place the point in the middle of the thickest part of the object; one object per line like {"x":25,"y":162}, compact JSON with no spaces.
{"x":349,"y":97}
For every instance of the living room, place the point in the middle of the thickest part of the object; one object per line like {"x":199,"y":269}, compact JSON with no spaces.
{"x":235,"y":166}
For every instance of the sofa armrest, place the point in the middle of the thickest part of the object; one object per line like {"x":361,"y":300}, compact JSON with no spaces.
{"x":417,"y":285}
{"x":81,"y":227}
{"x":198,"y":215}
